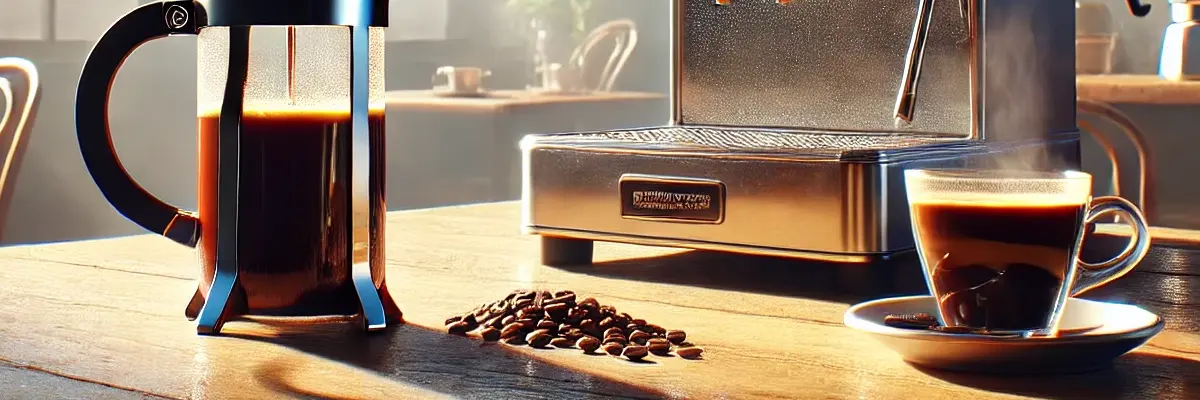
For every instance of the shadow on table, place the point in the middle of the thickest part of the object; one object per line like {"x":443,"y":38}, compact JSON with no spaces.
{"x":1134,"y":375}
{"x":418,"y":357}
{"x":846,"y":283}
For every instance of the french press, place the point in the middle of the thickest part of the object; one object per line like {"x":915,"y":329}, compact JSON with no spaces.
{"x":291,"y":211}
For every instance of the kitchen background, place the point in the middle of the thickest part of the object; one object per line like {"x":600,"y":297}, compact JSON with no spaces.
{"x":153,"y":107}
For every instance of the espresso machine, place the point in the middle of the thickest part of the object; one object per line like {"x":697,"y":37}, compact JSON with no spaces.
{"x":1179,"y":60}
{"x":793,"y":121}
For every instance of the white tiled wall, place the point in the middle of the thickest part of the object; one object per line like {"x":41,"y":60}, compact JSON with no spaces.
{"x":417,"y":20}
{"x":24,"y":19}
{"x":86,"y":20}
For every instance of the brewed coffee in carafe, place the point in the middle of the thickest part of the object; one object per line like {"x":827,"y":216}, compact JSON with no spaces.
{"x":291,"y":210}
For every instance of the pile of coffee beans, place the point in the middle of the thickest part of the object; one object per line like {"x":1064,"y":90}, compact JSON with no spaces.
{"x":544,"y":319}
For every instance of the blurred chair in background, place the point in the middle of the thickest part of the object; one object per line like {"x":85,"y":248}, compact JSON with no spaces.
{"x":622,"y":33}
{"x":21,"y":89}
{"x":1146,"y":184}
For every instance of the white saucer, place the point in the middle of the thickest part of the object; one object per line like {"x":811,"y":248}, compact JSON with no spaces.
{"x":1103,"y":332}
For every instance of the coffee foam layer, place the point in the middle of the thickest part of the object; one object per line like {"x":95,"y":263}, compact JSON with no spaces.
{"x":1000,"y":200}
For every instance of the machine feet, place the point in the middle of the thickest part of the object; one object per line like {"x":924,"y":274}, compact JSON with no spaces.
{"x":194,"y":305}
{"x":566,"y":252}
{"x":225,"y":296}
{"x":229,"y":300}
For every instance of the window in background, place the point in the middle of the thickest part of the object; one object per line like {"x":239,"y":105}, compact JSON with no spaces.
{"x":417,"y":20}
{"x":86,"y":20}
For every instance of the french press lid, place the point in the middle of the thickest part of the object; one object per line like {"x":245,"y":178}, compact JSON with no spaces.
{"x":296,"y":12}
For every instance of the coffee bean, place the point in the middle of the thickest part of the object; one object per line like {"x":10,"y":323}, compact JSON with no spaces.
{"x":639,"y":322}
{"x":459,"y":328}
{"x":951,"y":329}
{"x":689,"y":352}
{"x":557,"y":310}
{"x":547,"y":325}
{"x":572,"y":333}
{"x":490,"y":334}
{"x":514,"y":340}
{"x":620,"y":321}
{"x":660,"y":349}
{"x":562,"y":293}
{"x":588,"y":344}
{"x":522,"y":303}
{"x":607,"y":311}
{"x":508,"y":319}
{"x":613,"y":331}
{"x":655,"y":329}
{"x":530,"y":312}
{"x":632,"y":327}
{"x":613,"y":348}
{"x":453,"y":319}
{"x":639,"y":337}
{"x":527,"y":324}
{"x":910,"y":321}
{"x":676,"y":336}
{"x":685,"y":344}
{"x":539,"y":338}
{"x":561,"y":342}
{"x":588,"y":303}
{"x":606,"y":323}
{"x":513,"y":329}
{"x":635,"y":352}
{"x":568,"y":299}
{"x":587,"y":326}
{"x":576,"y":315}
{"x":616,"y":339}
{"x":658,"y":341}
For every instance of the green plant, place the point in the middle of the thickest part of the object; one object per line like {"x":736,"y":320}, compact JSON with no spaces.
{"x":575,"y":10}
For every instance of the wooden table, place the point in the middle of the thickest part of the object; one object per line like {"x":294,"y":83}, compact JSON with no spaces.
{"x":104,"y":319}
{"x":455,"y":150}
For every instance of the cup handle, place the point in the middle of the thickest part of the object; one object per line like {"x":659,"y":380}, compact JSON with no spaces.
{"x":1090,"y":276}
{"x":148,"y":22}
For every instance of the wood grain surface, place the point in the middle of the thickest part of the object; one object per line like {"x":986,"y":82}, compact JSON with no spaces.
{"x":1138,"y":89}
{"x":107,"y":315}
{"x":500,"y":99}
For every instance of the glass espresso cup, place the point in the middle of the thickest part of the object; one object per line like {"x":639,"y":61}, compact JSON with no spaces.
{"x":1000,"y":248}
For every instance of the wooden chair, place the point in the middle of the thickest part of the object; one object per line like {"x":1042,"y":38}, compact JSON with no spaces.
{"x":623,"y":34}
{"x":20,"y":87}
{"x":1146,"y":184}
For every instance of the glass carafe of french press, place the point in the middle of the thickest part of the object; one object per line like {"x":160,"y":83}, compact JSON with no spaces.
{"x":291,"y":200}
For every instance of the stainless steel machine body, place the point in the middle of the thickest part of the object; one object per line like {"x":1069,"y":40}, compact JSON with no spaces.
{"x":793,"y":122}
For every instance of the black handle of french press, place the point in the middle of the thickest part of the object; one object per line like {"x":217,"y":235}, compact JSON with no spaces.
{"x":1137,"y":8}
{"x":143,"y":24}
